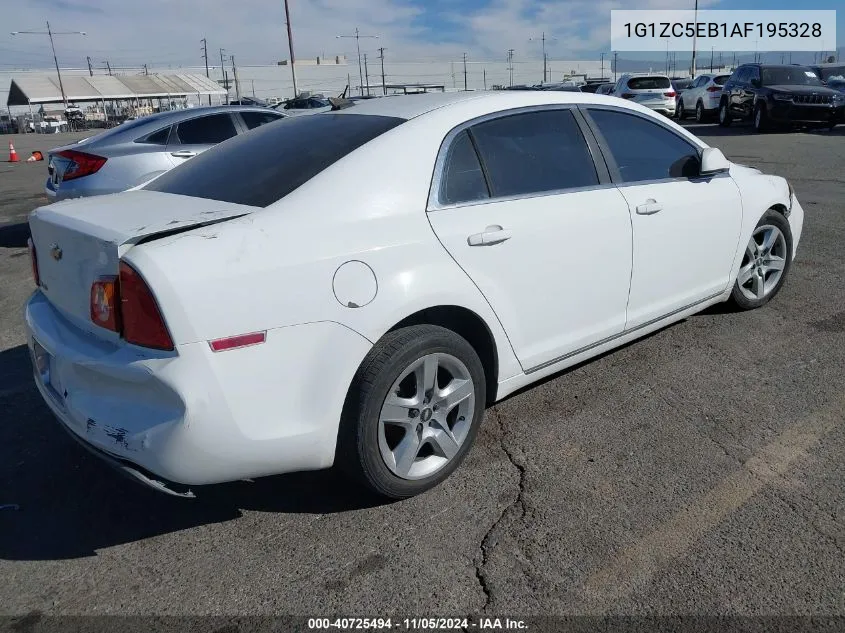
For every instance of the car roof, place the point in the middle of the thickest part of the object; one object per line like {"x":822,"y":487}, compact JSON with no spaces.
{"x":412,"y":106}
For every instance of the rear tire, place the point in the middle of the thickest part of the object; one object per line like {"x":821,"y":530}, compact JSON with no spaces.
{"x":699,"y":112}
{"x":724,"y":116}
{"x":681,"y":112}
{"x":400,"y":435}
{"x":765,"y":263}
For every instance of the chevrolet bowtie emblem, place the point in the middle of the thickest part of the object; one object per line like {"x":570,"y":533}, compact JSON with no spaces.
{"x":56,"y":252}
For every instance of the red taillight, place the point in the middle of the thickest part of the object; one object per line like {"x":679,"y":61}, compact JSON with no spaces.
{"x":140,"y":316}
{"x":33,"y":260}
{"x":671,"y":93}
{"x":627,"y":95}
{"x":82,"y":164}
{"x":234,"y":342}
{"x":714,"y":88}
{"x":105,"y":303}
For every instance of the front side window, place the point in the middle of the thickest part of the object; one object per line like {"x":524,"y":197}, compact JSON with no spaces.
{"x":206,"y":130}
{"x":644,"y":150}
{"x":534,"y":152}
{"x":463,"y":179}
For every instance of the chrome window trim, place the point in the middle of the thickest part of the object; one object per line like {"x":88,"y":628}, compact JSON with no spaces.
{"x":435,"y":187}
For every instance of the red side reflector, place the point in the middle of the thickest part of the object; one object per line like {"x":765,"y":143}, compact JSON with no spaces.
{"x":33,"y":260}
{"x":140,"y":315}
{"x":669,"y":94}
{"x":104,"y":304}
{"x":234,"y":342}
{"x":82,"y":164}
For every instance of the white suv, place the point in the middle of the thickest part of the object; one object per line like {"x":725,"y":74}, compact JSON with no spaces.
{"x":702,"y":96}
{"x":649,"y":90}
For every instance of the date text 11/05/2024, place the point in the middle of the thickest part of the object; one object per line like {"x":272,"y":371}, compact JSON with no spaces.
{"x":417,"y":624}
{"x":724,"y":29}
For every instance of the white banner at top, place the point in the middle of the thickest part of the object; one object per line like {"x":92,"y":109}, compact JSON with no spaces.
{"x":722,"y":30}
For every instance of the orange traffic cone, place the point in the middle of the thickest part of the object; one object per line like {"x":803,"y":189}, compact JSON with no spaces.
{"x":36,"y":155}
{"x":13,"y":155}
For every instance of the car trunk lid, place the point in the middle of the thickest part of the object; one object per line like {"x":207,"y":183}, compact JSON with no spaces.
{"x":80,"y":241}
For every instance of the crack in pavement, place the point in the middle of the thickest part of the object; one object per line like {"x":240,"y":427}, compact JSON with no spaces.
{"x":514,"y":511}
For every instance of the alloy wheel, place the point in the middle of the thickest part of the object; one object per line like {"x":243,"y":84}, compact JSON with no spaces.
{"x":426,"y":416}
{"x":763,"y":263}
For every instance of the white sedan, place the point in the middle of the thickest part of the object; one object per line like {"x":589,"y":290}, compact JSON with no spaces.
{"x":360,"y":300}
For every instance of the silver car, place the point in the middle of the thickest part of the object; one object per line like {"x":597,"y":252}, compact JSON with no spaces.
{"x":137,"y":151}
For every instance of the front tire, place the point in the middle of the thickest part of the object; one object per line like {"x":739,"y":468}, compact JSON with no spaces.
{"x":724,"y":116}
{"x":413,"y":411}
{"x":761,"y":118}
{"x":765,"y":263}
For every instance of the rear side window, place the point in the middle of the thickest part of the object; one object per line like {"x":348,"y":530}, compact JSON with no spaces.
{"x":534,"y":152}
{"x":463,"y":180}
{"x":156,"y":138}
{"x":257,"y":119}
{"x":206,"y":130}
{"x":259,"y":168}
{"x":644,"y":150}
{"x":649,"y":83}
{"x":721,"y":80}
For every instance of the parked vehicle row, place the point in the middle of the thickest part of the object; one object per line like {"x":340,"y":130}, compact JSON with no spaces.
{"x":279,"y":304}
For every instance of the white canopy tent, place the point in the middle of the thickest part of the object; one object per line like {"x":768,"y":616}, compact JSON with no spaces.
{"x":30,"y":89}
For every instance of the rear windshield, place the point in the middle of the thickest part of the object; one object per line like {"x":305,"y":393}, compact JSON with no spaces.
{"x":649,"y":83}
{"x":721,"y":80}
{"x":266,"y":164}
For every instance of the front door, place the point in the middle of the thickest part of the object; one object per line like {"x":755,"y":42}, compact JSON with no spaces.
{"x":685,"y":228}
{"x":547,"y":244}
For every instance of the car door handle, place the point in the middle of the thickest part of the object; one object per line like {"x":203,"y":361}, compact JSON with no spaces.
{"x":493,"y":234}
{"x":184,"y":153}
{"x":650,"y":207}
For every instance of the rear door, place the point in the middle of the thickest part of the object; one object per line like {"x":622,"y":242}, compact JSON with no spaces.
{"x":521,"y":206}
{"x":196,"y":135}
{"x":685,"y":228}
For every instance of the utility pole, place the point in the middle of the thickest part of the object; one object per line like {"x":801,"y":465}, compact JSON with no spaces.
{"x":90,"y":70}
{"x":711,"y":58}
{"x":235,"y":75}
{"x":253,"y":88}
{"x":485,"y":78}
{"x":510,"y":65}
{"x":465,"y":72}
{"x":205,"y":57}
{"x":602,"y":66}
{"x":146,"y":72}
{"x":290,"y":47}
{"x":381,"y":56}
{"x":358,"y":37}
{"x":615,"y":64}
{"x":50,"y":34}
{"x":225,"y":77}
{"x":367,"y":74}
{"x":108,"y":66}
{"x":543,"y":39}
{"x":692,"y":70}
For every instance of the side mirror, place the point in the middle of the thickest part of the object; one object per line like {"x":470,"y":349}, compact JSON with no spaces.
{"x":713,"y":161}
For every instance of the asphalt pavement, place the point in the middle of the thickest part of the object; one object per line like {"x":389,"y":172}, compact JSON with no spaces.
{"x":697,"y":471}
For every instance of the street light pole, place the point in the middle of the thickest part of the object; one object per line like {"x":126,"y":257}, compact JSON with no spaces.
{"x":543,"y":39}
{"x":358,"y":37}
{"x":290,"y":47}
{"x":49,"y":33}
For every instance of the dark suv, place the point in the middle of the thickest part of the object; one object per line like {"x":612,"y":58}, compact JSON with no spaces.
{"x":788,"y":95}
